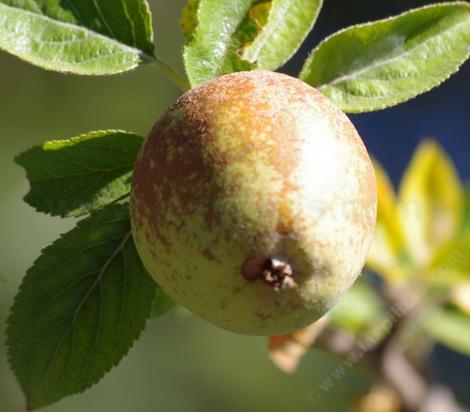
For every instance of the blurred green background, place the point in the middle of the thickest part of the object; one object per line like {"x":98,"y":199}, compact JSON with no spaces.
{"x":180,"y":363}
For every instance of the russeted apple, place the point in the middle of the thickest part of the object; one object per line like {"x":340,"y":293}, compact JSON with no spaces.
{"x":254,"y":203}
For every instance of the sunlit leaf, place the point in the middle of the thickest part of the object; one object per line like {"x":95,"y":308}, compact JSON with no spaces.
{"x":209,"y":26}
{"x":387,"y":251}
{"x":81,"y":37}
{"x":224,"y":36}
{"x":380,"y":64}
{"x":285,"y":27}
{"x":430,"y":201}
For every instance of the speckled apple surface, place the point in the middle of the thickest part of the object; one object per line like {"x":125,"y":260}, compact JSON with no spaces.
{"x":249,"y":166}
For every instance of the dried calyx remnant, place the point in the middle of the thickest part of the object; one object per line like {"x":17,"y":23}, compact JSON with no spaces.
{"x":274,"y":272}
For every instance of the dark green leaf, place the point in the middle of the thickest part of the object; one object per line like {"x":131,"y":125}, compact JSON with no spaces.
{"x":377,"y":65}
{"x":80,"y":36}
{"x":450,"y":327}
{"x":75,"y":176}
{"x":80,"y":307}
{"x":224,"y":36}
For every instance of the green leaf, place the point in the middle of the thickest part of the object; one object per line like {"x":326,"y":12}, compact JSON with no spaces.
{"x":450,"y":327}
{"x":162,"y":304}
{"x":79,"y":309}
{"x":359,"y":311}
{"x":75,"y":176}
{"x":288,"y":23}
{"x":377,"y":65}
{"x":209,"y":26}
{"x":227,"y":36}
{"x":80,"y":36}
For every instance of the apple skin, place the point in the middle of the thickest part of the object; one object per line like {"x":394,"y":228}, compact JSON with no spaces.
{"x":242,"y":169}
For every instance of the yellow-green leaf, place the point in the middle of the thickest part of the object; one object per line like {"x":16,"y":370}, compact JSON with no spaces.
{"x":431,"y":201}
{"x":450,"y":264}
{"x":386,"y":254}
{"x":188,"y":20}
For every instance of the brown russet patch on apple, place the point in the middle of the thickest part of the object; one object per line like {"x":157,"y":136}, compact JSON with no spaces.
{"x":245,"y":111}
{"x":188,"y":133}
{"x":209,"y":255}
{"x":179,"y":155}
{"x":232,"y":203}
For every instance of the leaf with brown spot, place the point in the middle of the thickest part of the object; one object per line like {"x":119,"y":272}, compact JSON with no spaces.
{"x":282,"y":26}
{"x":227,"y":36}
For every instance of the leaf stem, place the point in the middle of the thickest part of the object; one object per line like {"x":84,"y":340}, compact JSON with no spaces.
{"x":172,"y":74}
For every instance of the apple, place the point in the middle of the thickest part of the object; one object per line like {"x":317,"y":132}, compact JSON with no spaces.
{"x":253,"y":203}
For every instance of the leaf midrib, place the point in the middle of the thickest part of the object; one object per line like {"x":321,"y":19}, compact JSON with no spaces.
{"x":76,"y":312}
{"x":84,"y":29}
{"x":379,"y":63}
{"x":84,"y":174}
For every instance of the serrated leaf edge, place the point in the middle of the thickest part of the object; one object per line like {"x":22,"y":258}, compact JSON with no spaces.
{"x":399,"y":100}
{"x":65,"y":143}
{"x":300,"y":42}
{"x":126,"y":238}
{"x":145,"y":57}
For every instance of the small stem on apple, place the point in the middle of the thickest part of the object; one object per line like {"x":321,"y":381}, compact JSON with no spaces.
{"x":172,"y":74}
